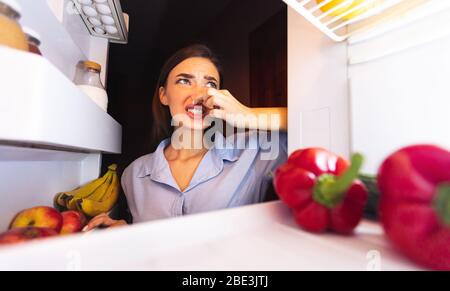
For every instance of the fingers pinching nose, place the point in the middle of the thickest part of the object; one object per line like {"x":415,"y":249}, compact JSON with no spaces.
{"x":199,"y":99}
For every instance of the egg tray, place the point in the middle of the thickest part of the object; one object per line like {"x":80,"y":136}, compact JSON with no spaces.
{"x":103,"y":18}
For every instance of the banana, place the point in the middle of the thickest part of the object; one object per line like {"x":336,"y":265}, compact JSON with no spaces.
{"x":58,"y":202}
{"x":67,"y":200}
{"x":112,"y":167}
{"x":61,"y":198}
{"x":93,"y":208}
{"x":100,"y":191}
{"x":98,"y":194}
{"x":87,"y":190}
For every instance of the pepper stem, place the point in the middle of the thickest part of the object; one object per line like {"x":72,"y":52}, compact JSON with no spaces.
{"x":330,"y":189}
{"x":442,"y":202}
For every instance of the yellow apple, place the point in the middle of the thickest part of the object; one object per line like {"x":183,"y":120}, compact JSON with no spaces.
{"x":39,"y":216}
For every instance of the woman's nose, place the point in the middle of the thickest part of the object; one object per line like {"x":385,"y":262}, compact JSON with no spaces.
{"x":199,"y":95}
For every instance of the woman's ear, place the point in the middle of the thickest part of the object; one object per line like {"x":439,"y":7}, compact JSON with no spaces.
{"x":163,"y":96}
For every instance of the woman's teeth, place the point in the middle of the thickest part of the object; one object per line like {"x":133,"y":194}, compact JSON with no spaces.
{"x":197,"y":110}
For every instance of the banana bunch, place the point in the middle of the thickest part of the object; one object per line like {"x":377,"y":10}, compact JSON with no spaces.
{"x":96,"y":197}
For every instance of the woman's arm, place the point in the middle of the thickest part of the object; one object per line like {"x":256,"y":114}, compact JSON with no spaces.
{"x":270,"y":118}
{"x":224,"y":106}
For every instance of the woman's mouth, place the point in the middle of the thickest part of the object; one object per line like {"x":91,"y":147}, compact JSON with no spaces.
{"x":196,"y":111}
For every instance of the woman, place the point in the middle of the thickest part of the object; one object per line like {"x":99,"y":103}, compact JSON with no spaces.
{"x":195,"y":168}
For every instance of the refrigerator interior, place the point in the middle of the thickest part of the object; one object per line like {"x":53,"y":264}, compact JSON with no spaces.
{"x":375,"y":92}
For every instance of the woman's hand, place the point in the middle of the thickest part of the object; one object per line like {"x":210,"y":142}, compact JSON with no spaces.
{"x":224,"y":106}
{"x":103,"y":220}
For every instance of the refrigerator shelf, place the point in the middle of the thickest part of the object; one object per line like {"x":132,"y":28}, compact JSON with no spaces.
{"x":256,"y":237}
{"x":342,"y":19}
{"x":40,"y":107}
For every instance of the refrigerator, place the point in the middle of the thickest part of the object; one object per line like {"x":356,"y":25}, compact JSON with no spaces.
{"x":371,"y":82}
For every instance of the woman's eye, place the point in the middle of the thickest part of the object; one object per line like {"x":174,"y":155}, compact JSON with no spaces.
{"x":211,"y":85}
{"x":183,"y":81}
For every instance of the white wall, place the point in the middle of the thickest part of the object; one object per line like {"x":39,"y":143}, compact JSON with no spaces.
{"x":317,"y":88}
{"x":31,"y":177}
{"x":373,"y":94}
{"x":400,"y":89}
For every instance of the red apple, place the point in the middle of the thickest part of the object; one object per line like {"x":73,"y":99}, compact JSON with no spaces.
{"x":23,"y":234}
{"x":40,"y":216}
{"x":73,"y":221}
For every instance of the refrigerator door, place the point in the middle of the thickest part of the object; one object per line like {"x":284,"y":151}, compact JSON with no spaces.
{"x":51,"y":134}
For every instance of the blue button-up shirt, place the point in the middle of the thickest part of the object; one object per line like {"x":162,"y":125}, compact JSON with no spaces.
{"x":227,"y":176}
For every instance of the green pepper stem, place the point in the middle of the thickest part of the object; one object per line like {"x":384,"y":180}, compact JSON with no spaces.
{"x":344,"y":181}
{"x":442,"y":202}
{"x":330,"y":189}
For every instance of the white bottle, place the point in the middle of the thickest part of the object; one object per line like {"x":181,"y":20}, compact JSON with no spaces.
{"x":88,"y":80}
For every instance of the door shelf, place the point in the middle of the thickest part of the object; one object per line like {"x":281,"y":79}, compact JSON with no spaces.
{"x":41,"y":107}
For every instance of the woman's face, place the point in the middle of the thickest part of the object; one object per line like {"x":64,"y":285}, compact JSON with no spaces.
{"x":186,"y":91}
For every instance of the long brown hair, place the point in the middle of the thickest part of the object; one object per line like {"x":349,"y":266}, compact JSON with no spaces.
{"x":161,"y":127}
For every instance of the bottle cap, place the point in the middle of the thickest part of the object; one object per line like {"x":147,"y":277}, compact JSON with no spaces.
{"x":30,"y":33}
{"x":13,"y":4}
{"x":92,"y":65}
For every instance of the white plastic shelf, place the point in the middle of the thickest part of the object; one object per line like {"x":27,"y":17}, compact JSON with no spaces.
{"x":347,"y":18}
{"x":256,"y":237}
{"x":40,"y":106}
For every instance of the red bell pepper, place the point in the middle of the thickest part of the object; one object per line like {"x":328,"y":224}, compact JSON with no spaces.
{"x":322,"y":190}
{"x":415,"y":203}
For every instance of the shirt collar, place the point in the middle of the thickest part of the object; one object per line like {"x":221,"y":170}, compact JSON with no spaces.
{"x":225,"y":148}
{"x":156,"y":164}
{"x":155,"y":161}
